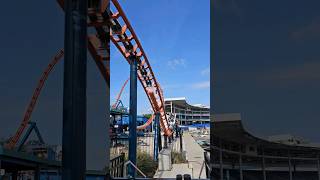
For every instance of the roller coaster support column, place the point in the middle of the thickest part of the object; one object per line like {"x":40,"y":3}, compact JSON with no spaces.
{"x":133,"y":116}
{"x":74,"y":91}
{"x":159,"y":139}
{"x":156,"y":138}
{"x":165,"y":141}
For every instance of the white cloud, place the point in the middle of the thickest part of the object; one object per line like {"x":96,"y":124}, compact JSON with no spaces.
{"x":176,"y":63}
{"x":201,"y":85}
{"x":205,"y":71}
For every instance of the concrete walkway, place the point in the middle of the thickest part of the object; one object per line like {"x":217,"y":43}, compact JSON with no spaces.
{"x":194,"y":155}
{"x":176,"y":169}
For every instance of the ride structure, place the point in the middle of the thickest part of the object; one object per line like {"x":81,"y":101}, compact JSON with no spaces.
{"x":106,"y":25}
{"x":125,"y":39}
{"x":127,"y":42}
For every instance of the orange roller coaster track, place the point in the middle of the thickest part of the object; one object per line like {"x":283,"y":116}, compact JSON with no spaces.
{"x":98,"y":45}
{"x":120,"y":93}
{"x":127,"y":42}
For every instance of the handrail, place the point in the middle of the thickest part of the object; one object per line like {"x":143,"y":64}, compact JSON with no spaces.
{"x":129,"y":162}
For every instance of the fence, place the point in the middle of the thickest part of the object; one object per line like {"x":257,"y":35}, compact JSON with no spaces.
{"x":116,"y":165}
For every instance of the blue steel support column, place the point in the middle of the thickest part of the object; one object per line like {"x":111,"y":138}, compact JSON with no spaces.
{"x":133,"y":116}
{"x":156,"y":138}
{"x":0,"y":169}
{"x":74,"y":91}
{"x":159,"y":137}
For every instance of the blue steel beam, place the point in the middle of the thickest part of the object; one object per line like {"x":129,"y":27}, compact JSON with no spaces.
{"x":34,"y":127}
{"x":133,"y":116}
{"x":156,"y":138}
{"x":74,"y":91}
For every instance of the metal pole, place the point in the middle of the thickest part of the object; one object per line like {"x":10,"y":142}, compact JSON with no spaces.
{"x":74,"y":90}
{"x":1,"y":170}
{"x":177,"y":129}
{"x":264,"y":166}
{"x":181,"y":143}
{"x":133,"y":117}
{"x":165,"y":141}
{"x":220,"y":158}
{"x":227,"y":174}
{"x":155,"y":144}
{"x":240,"y":167}
{"x":289,"y":163}
{"x":159,"y":136}
{"x":318,"y":165}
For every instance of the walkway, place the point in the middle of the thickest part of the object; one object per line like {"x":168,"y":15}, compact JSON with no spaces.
{"x":194,"y":155}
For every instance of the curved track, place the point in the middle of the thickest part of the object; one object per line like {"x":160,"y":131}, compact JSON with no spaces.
{"x":120,"y":93}
{"x":127,"y":42}
{"x":145,"y":125}
{"x":26,"y":118}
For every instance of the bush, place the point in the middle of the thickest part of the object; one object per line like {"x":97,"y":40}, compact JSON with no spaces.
{"x":146,"y":164}
{"x":177,"y":158}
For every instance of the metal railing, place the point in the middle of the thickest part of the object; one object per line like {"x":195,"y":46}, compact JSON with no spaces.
{"x":206,"y":165}
{"x":117,"y":166}
{"x":125,"y":169}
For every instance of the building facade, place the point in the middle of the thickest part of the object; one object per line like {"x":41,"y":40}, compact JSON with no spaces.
{"x":237,"y":154}
{"x":187,"y":114}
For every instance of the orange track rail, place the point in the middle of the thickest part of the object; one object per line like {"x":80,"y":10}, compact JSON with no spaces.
{"x":127,"y":42}
{"x":26,"y":119}
{"x":120,"y":93}
{"x":145,"y":125}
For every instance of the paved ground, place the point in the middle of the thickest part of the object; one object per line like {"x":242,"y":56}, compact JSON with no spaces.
{"x":176,"y":169}
{"x":194,"y":155}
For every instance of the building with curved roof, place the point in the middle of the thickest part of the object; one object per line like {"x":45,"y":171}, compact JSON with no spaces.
{"x":237,"y":154}
{"x":186,"y":113}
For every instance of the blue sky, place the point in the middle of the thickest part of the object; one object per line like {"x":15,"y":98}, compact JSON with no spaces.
{"x":176,"y":37}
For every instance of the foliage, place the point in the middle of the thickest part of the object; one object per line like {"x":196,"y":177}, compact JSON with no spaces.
{"x":147,"y":115}
{"x":146,"y":164}
{"x":177,"y":158}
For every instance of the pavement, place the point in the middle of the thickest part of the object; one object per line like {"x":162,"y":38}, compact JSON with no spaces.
{"x":194,"y":156}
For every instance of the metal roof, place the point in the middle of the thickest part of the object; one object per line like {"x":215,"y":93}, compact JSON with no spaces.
{"x":183,"y":102}
{"x":230,"y":128}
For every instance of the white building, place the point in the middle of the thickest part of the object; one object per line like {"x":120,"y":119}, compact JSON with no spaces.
{"x":187,"y":114}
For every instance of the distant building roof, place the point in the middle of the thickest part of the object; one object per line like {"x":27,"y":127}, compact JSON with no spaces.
{"x":290,"y":139}
{"x":183,"y":102}
{"x":229,"y":127}
{"x":175,"y":99}
{"x":201,"y":105}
